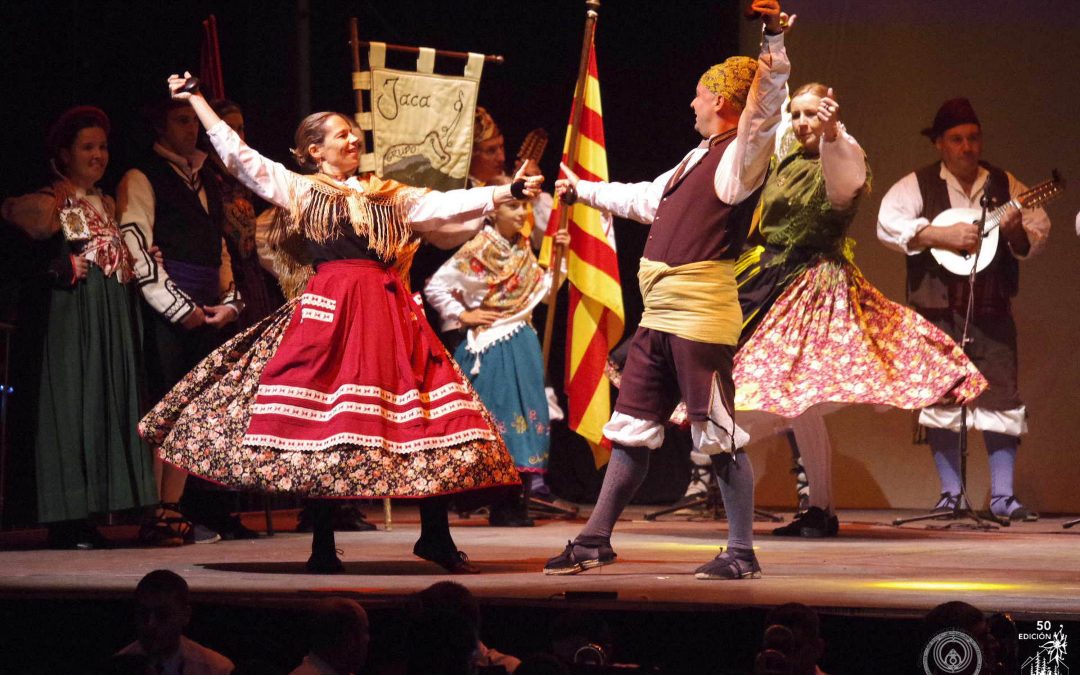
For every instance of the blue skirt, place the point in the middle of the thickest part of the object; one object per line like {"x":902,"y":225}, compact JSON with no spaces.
{"x":510,"y":383}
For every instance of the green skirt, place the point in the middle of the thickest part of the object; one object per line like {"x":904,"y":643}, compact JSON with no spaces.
{"x":89,"y":457}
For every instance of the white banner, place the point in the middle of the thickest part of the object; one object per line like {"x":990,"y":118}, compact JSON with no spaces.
{"x":422,"y":123}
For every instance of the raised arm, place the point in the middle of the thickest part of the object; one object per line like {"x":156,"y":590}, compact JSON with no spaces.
{"x":276,"y":184}
{"x":843,"y":165}
{"x":745,"y":162}
{"x":266,"y":178}
{"x":635,"y":201}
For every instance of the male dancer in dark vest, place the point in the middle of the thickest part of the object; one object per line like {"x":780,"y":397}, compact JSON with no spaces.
{"x":700,"y":213}
{"x":172,"y":202}
{"x":958,"y":181}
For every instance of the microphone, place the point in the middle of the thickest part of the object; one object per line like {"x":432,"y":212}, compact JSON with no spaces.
{"x":985,"y":201}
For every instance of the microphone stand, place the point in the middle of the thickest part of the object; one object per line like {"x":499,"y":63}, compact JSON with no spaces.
{"x":962,"y":509}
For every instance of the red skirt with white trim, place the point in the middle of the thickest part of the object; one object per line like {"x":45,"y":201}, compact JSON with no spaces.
{"x":344,"y":392}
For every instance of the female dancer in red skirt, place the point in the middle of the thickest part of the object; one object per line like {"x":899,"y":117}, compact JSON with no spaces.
{"x":345,"y":391}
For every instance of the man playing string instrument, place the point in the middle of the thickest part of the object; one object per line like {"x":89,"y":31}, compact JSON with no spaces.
{"x":959,"y":180}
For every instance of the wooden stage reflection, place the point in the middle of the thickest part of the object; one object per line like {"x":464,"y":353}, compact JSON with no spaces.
{"x":870,"y":569}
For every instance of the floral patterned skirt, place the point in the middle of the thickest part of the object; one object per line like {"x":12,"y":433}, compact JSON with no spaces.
{"x":509,"y":376}
{"x":343,"y":392}
{"x":831,"y":337}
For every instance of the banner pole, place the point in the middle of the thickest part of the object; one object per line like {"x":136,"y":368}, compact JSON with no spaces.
{"x":558,"y":252}
{"x":354,"y":42}
{"x":497,"y":59}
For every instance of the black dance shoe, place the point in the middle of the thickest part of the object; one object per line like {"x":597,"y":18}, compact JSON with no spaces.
{"x":546,"y":499}
{"x":950,"y":502}
{"x":580,"y":555}
{"x":731,"y":564}
{"x":814,"y":523}
{"x":448,"y":558}
{"x":1007,"y":508}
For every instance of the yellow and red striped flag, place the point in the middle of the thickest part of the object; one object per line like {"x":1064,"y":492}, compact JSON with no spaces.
{"x":596,"y":318}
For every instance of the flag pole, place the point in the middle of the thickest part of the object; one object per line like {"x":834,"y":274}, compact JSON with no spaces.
{"x":591,"y":14}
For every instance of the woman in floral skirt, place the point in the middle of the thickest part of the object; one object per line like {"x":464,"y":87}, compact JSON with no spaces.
{"x":815,"y":330}
{"x":345,"y":391}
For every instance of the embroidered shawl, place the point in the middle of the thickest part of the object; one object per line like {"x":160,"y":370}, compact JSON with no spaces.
{"x":83,"y":221}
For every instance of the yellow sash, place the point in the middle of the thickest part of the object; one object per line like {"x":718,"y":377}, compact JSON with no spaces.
{"x":697,"y":301}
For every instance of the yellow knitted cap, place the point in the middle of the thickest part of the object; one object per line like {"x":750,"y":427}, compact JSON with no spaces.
{"x":731,"y":79}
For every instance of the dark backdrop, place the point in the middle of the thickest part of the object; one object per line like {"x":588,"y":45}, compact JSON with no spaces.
{"x":892,"y":62}
{"x":116,"y":55}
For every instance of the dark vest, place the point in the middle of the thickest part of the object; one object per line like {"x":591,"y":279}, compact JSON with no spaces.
{"x":182,"y":229}
{"x":692,"y":224}
{"x":345,"y":245}
{"x":931,"y":286}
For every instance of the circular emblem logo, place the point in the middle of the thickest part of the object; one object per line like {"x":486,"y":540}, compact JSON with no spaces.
{"x":952,"y":652}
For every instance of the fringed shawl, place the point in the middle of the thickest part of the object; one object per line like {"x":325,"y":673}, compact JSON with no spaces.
{"x":319,"y":207}
{"x":509,"y":270}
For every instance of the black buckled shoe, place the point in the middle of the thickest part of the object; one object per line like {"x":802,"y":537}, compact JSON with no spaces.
{"x":450,"y":559}
{"x":91,"y":538}
{"x":950,"y":502}
{"x":731,"y":564}
{"x":814,"y":523}
{"x":581,"y":555}
{"x":1007,"y":508}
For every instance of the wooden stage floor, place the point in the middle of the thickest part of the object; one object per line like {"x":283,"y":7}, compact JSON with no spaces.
{"x":871,"y":569}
